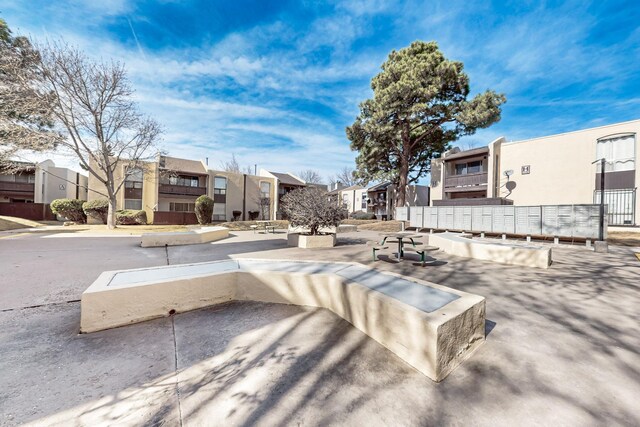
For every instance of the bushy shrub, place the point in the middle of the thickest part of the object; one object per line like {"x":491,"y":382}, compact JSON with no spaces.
{"x":204,"y":209}
{"x":310,"y":208}
{"x":70,"y":209}
{"x":363,"y":215}
{"x":131,"y":217}
{"x":98,"y":209}
{"x":236,"y":215}
{"x":253,"y":215}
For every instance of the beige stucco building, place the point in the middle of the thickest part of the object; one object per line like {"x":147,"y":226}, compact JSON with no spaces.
{"x":42,"y":183}
{"x":550,"y":170}
{"x":168,"y":188}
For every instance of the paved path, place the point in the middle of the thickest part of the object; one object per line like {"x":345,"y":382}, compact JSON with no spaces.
{"x":563,"y":345}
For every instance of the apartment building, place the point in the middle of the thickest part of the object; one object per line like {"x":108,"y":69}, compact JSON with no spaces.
{"x":555,"y":169}
{"x":284,"y":183}
{"x":42,"y":183}
{"x":167,"y":190}
{"x":354,"y":198}
{"x":381,"y":199}
{"x":378,"y":199}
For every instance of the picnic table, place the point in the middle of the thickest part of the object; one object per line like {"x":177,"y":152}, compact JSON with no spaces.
{"x":266,"y":225}
{"x":401,"y":238}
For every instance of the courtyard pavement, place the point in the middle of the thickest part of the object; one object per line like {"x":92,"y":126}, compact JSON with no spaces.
{"x":562,"y":348}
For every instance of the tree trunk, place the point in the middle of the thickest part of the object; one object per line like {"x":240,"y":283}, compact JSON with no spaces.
{"x":111,"y":215}
{"x":402,"y":182}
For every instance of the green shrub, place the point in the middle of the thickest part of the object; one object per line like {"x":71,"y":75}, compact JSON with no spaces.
{"x":363,"y":215}
{"x":70,"y":209}
{"x":204,"y":209}
{"x":131,"y":217}
{"x":98,"y":209}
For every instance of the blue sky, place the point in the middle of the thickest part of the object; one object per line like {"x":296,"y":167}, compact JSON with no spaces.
{"x":277,"y":82}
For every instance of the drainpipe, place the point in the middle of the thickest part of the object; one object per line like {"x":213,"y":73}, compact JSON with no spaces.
{"x":275,"y":199}
{"x":244,"y":196}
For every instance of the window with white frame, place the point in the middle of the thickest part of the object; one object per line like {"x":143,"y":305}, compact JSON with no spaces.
{"x":133,"y":178}
{"x":133,"y":181}
{"x":133,"y":204}
{"x":364,"y":200}
{"x":219,"y":211}
{"x":619,"y":152}
{"x":220,"y":185}
{"x":265,"y":189}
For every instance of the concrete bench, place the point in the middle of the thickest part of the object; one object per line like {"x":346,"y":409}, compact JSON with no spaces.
{"x":431,"y":327}
{"x":191,"y":237}
{"x":347,"y":228}
{"x":461,"y":244}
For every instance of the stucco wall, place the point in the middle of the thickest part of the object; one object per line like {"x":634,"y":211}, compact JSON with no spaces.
{"x":353,"y":200}
{"x":236,"y":192}
{"x":560,"y":169}
{"x":57,"y":183}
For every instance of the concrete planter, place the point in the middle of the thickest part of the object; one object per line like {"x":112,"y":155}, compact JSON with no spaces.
{"x":308,"y":242}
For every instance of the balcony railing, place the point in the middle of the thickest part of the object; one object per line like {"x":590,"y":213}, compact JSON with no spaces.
{"x":182,"y":190}
{"x":21,"y":188}
{"x":468,"y":180}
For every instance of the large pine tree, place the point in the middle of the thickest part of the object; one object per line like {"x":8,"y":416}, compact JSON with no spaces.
{"x":419,"y":107}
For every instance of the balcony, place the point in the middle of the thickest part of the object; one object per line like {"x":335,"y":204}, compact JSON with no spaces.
{"x":17,"y":188}
{"x":181,"y":190}
{"x":468,"y":182}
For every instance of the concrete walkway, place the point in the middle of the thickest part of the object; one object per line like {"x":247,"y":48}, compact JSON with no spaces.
{"x":562,"y":348}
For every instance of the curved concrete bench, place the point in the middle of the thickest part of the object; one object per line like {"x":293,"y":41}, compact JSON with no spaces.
{"x":192,"y":237}
{"x":431,"y":327}
{"x":461,"y":244}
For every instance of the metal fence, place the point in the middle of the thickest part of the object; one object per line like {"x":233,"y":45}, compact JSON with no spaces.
{"x":581,"y":221}
{"x":621,"y":204}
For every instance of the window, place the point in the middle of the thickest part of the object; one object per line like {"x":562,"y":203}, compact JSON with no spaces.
{"x":364,"y":200}
{"x":265,"y":189}
{"x":134,"y":204}
{"x":133,"y":184}
{"x":182,"y":207}
{"x":618,"y":151}
{"x":345,"y":199}
{"x":26,"y":178}
{"x":183,"y":181}
{"x":219,"y":185}
{"x":133,"y":178}
{"x":219,"y":211}
{"x":470,"y":167}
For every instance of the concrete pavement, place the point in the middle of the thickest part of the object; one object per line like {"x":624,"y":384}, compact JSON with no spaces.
{"x":562,"y":347}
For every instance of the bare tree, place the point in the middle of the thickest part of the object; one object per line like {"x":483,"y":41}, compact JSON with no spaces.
{"x":93,"y":105}
{"x":249,"y":170}
{"x":26,"y":118}
{"x":231,"y":165}
{"x":310,"y":208}
{"x":310,"y":176}
{"x":347,"y":176}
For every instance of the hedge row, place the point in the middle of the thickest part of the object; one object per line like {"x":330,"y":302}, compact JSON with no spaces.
{"x":131,"y":217}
